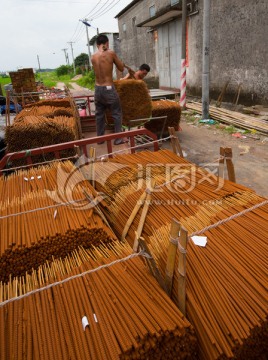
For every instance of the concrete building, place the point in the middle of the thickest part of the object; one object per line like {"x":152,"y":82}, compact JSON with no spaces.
{"x":150,"y":32}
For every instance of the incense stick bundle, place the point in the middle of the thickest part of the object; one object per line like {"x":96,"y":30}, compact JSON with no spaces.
{"x":126,"y":314}
{"x":169,"y":108}
{"x":226,"y":284}
{"x":65,"y":103}
{"x":45,"y":111}
{"x":131,"y":93}
{"x":34,"y":228}
{"x":226,"y":291}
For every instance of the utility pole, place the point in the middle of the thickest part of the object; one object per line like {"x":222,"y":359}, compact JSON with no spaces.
{"x":206,"y":50}
{"x":183,"y":55}
{"x":38,"y":63}
{"x":88,"y":46}
{"x":66,"y":56}
{"x":71,"y":44}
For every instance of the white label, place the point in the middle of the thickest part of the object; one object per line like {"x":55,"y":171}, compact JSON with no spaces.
{"x":85,"y":322}
{"x":200,"y":240}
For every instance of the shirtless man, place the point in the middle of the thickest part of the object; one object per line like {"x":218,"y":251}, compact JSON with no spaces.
{"x":106,"y":96}
{"x":139,"y":74}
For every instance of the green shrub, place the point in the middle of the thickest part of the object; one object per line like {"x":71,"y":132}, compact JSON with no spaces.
{"x":64,"y":70}
{"x":87,"y":81}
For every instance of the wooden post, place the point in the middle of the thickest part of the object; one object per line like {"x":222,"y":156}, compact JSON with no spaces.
{"x":221,"y":163}
{"x":152,"y":264}
{"x":226,"y":155}
{"x":220,"y":98}
{"x":176,"y":147}
{"x":8,"y":109}
{"x":143,"y":215}
{"x":171,"y":257}
{"x":137,"y":207}
{"x":229,"y":163}
{"x":182,"y":245}
{"x":92,"y":156}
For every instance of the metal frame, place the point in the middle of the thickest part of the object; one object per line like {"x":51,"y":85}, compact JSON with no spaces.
{"x":79,"y":144}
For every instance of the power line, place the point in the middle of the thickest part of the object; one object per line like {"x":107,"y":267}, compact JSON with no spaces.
{"x":106,"y":9}
{"x":79,"y":34}
{"x":93,"y":9}
{"x":91,"y":15}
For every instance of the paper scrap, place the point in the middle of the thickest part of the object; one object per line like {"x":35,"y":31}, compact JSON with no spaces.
{"x":95,"y":317}
{"x":85,"y":322}
{"x":26,"y":179}
{"x":200,"y":240}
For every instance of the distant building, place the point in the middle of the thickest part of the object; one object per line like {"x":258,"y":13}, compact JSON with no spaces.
{"x":150,"y":32}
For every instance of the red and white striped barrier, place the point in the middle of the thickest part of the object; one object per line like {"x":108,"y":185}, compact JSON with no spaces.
{"x":183,"y":83}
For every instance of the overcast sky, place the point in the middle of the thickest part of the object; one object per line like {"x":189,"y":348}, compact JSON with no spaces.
{"x":31,"y":28}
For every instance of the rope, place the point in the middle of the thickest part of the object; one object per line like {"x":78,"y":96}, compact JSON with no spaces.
{"x":100,"y":157}
{"x":37,"y":164}
{"x":133,"y":147}
{"x":44,"y":208}
{"x":173,"y":240}
{"x":131,"y":256}
{"x":232,"y":217}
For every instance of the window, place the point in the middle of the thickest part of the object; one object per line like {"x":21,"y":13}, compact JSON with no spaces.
{"x":124,"y":27}
{"x":173,"y":2}
{"x":152,"y":11}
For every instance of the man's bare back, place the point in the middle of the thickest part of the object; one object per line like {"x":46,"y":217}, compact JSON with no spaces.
{"x":102,"y":62}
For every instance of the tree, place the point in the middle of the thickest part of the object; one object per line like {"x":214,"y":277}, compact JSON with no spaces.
{"x":63,"y":70}
{"x":81,"y":60}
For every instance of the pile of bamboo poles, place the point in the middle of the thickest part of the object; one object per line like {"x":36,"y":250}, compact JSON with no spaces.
{"x":126,"y":315}
{"x":232,"y":117}
{"x":34,"y":229}
{"x":226,"y":286}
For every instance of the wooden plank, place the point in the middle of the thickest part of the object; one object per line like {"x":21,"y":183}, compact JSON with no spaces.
{"x":232,"y":117}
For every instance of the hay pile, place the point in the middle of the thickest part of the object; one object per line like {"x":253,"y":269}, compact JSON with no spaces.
{"x":168,"y":108}
{"x":135,"y":100}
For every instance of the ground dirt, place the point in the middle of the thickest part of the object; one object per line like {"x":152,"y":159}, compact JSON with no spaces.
{"x":201,"y":145}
